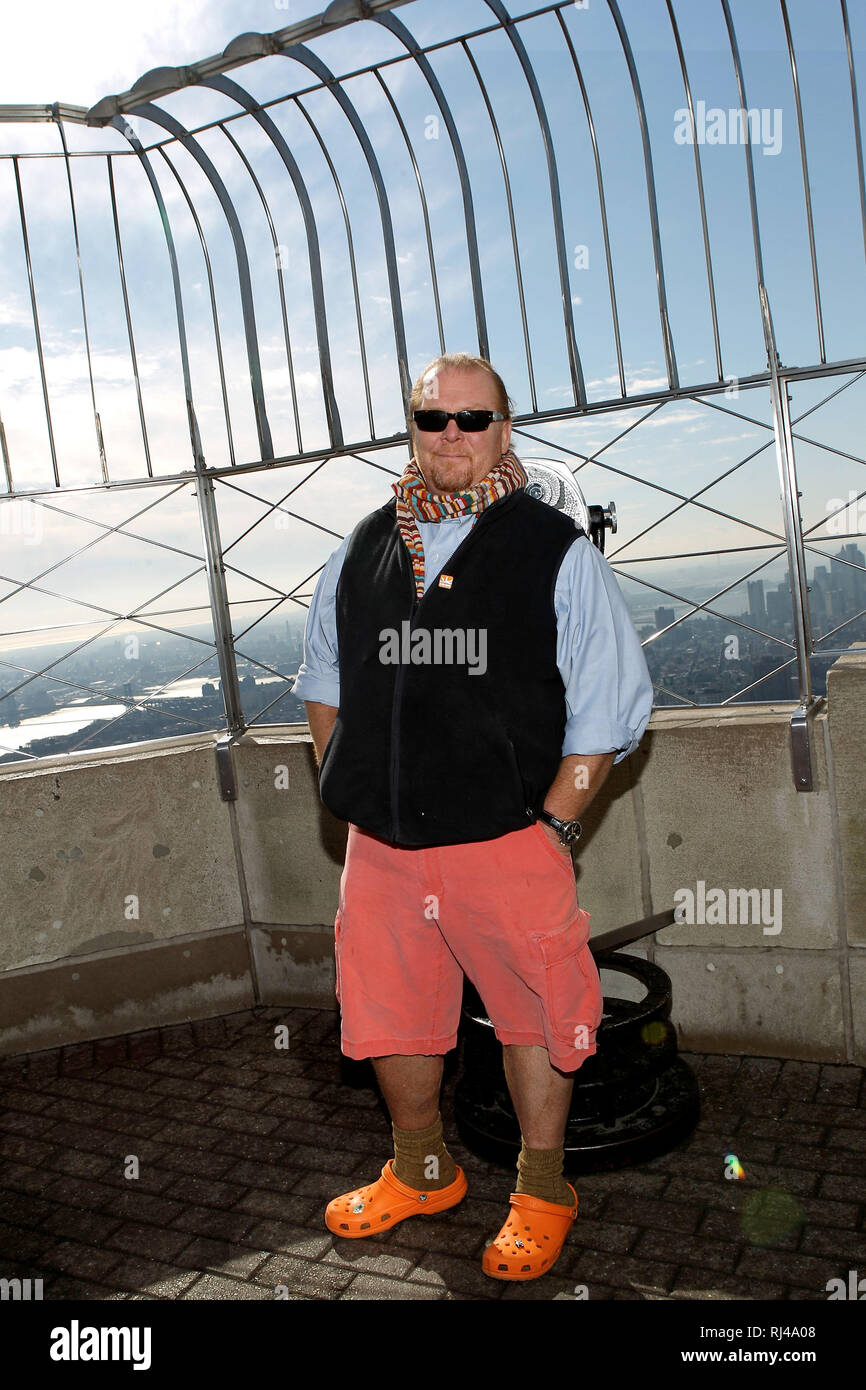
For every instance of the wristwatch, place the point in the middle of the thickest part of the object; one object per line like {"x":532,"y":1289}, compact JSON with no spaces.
{"x":569,"y":831}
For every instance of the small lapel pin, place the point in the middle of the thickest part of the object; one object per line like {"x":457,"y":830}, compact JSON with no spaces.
{"x":445,"y":581}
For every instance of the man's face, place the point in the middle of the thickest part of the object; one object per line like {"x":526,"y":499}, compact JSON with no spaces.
{"x":452,"y":461}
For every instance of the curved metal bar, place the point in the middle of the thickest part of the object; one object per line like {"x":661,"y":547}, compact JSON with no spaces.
{"x":98,"y":114}
{"x":424,"y":208}
{"x":301,"y":54}
{"x":750,"y":169}
{"x":280,"y":285}
{"x":410,"y":43}
{"x":855,"y":108}
{"x":508,"y":25}
{"x":602,"y":203}
{"x":700,"y":181}
{"x":35,"y":313}
{"x":539,"y":418}
{"x":125,"y":129}
{"x":7,"y":465}
{"x":154,"y":113}
{"x":353,"y":269}
{"x":807,"y":192}
{"x":667,"y":339}
{"x":129,"y":332}
{"x":96,"y":420}
{"x":248,"y":102}
{"x":781,"y":418}
{"x":213,"y":304}
{"x":244,"y":48}
{"x":215,"y":573}
{"x":516,"y":249}
{"x":786,"y":459}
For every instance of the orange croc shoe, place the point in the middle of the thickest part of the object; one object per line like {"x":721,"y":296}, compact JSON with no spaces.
{"x":530,"y":1242}
{"x":381,"y":1204}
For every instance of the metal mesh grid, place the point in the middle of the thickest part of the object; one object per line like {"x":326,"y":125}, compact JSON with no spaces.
{"x":220,"y":290}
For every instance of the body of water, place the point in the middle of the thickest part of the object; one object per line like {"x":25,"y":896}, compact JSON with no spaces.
{"x":78,"y":714}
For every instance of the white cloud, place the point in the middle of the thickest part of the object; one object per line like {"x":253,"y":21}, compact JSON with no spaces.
{"x":15,"y":311}
{"x":67,"y":371}
{"x":57,"y":51}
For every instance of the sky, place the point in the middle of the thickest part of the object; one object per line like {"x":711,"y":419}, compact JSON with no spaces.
{"x":80,"y":53}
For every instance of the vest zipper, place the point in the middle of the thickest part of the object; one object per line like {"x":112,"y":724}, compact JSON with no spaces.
{"x":398,"y":684}
{"x":395,"y":715}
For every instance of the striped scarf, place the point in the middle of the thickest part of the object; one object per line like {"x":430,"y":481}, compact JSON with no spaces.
{"x":415,"y":502}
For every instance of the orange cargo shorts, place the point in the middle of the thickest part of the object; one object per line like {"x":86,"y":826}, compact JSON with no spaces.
{"x":411,"y":922}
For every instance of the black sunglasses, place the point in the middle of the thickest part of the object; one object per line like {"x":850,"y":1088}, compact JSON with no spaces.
{"x":469,"y":421}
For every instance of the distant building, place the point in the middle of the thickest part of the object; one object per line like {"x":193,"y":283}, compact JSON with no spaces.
{"x":779,"y":605}
{"x":852,"y":582}
{"x":777,"y":687}
{"x":820,"y":598}
{"x":664,"y":617}
{"x":757,"y":607}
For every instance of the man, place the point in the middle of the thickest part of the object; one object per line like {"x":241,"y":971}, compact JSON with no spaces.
{"x":470,"y":675}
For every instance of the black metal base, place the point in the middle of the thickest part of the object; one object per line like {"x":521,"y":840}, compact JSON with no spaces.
{"x":665,"y":1112}
{"x":633,"y":1100}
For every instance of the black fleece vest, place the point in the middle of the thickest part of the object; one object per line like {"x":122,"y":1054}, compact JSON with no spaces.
{"x":452,"y":708}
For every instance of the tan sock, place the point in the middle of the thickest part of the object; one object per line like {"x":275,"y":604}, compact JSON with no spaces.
{"x":539,"y":1174}
{"x":421,"y":1159}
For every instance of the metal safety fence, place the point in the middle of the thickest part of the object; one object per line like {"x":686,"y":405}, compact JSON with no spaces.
{"x":215,"y":294}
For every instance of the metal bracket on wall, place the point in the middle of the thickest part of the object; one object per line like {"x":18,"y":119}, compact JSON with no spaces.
{"x":225,"y":768}
{"x":801,"y":760}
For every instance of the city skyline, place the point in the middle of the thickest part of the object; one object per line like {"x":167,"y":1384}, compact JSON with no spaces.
{"x":696,"y":657}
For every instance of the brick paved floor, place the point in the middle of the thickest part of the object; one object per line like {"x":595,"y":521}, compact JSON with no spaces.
{"x":239,"y":1147}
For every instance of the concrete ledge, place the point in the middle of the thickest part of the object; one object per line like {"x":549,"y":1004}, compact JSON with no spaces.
{"x":235,"y":899}
{"x":722,"y":810}
{"x":114,"y":852}
{"x":293,"y":849}
{"x":857,"y":978}
{"x":295,"y":965}
{"x":846,"y":691}
{"x":772,"y":1003}
{"x":124,"y":991}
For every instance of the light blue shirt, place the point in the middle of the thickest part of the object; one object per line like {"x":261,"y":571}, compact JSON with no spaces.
{"x":608,"y":690}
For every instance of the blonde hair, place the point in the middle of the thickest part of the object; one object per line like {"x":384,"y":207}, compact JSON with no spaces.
{"x":461,"y":361}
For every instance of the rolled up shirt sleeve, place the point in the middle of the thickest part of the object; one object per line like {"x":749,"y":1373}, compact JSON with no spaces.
{"x":608,"y":690}
{"x":318,"y":676}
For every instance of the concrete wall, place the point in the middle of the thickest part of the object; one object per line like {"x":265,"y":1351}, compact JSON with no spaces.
{"x":134,"y":895}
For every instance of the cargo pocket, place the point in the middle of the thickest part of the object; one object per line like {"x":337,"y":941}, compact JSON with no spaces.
{"x":338,"y":932}
{"x":572,"y":989}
